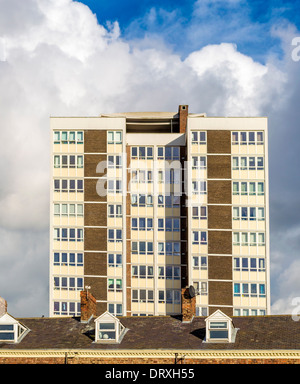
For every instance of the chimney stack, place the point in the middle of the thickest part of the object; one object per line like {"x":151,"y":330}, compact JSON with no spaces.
{"x":3,"y":306}
{"x":88,"y":306}
{"x":188,"y":305}
{"x":183,"y":112}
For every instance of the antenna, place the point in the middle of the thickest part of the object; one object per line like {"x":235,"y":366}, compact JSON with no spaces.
{"x":192,"y":291}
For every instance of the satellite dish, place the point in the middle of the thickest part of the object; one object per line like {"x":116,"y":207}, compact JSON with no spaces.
{"x":192,"y":291}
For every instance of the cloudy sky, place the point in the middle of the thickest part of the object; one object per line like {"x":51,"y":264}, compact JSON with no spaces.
{"x":70,"y":58}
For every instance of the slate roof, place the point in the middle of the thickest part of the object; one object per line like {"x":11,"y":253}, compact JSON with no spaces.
{"x":163,"y":332}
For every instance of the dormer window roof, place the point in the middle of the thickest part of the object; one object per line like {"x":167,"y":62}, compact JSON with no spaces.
{"x":219,"y":328}
{"x":11,"y":330}
{"x":108,"y":329}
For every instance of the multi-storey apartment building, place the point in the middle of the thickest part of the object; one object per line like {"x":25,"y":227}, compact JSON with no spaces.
{"x":146,"y":204}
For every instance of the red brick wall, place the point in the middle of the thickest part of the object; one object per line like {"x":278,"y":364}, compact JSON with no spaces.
{"x":116,"y":360}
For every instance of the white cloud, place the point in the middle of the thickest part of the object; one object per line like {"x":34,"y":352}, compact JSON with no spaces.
{"x":60,"y":61}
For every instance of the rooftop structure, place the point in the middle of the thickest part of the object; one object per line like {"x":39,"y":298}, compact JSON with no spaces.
{"x":154,"y":339}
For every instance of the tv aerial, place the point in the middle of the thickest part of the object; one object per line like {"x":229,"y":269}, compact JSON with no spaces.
{"x":192,"y":291}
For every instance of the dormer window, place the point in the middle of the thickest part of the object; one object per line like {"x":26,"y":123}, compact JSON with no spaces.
{"x":11,"y":330}
{"x":219,"y":328}
{"x":108,"y":329}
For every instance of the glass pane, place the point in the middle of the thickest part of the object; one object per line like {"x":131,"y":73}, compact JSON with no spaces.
{"x":56,"y":137}
{"x":79,"y":209}
{"x":110,"y":137}
{"x":79,"y":136}
{"x":6,"y":327}
{"x":72,"y":136}
{"x":218,"y":324}
{"x":235,"y":188}
{"x":64,"y":137}
{"x":56,"y":209}
{"x":235,"y":137}
{"x":64,"y":209}
{"x":118,"y":137}
{"x":219,"y":334}
{"x":7,"y":336}
{"x":107,"y":335}
{"x":252,"y":188}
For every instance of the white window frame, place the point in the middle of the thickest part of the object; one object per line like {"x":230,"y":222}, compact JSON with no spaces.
{"x":115,"y":326}
{"x":9,"y":325}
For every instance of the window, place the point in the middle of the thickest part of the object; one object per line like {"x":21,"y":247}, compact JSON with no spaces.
{"x":141,"y":224}
{"x":108,"y":328}
{"x":68,"y":308}
{"x":219,"y":328}
{"x":68,"y":234}
{"x":198,"y":137}
{"x":68,"y":137}
{"x":201,"y":311}
{"x":169,"y":272}
{"x":199,"y":162}
{"x":169,"y":176}
{"x":142,"y":296}
{"x":200,"y":262}
{"x":68,"y":283}
{"x":168,"y":153}
{"x":169,"y":296}
{"x":248,"y":188}
{"x":199,"y":187}
{"x":248,"y":213}
{"x":114,"y":210}
{"x":247,"y":138}
{"x":201,"y":287}
{"x":141,"y":176}
{"x":199,"y":237}
{"x":199,"y":213}
{"x":168,"y":224}
{"x":115,"y":285}
{"x":115,"y":235}
{"x":248,"y":163}
{"x":246,"y":289}
{"x":68,"y":185}
{"x":114,"y":137}
{"x":168,"y":201}
{"x":142,"y":271}
{"x":71,"y":259}
{"x":68,"y":161}
{"x":142,"y":153}
{"x":11,"y":331}
{"x":114,"y":260}
{"x":114,"y":186}
{"x":142,"y":247}
{"x":115,"y":309}
{"x":68,"y":210}
{"x":169,"y":248}
{"x":114,"y":161}
{"x":141,"y":200}
{"x":249,"y":238}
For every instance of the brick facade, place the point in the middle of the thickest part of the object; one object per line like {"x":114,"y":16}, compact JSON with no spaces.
{"x":146,"y":360}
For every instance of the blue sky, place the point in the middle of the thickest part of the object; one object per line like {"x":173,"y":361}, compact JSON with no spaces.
{"x":190,"y":25}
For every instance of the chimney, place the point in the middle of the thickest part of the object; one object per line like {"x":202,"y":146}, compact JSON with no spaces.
{"x":3,"y":306}
{"x":88,"y":306}
{"x":183,"y":112}
{"x":188,"y":305}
